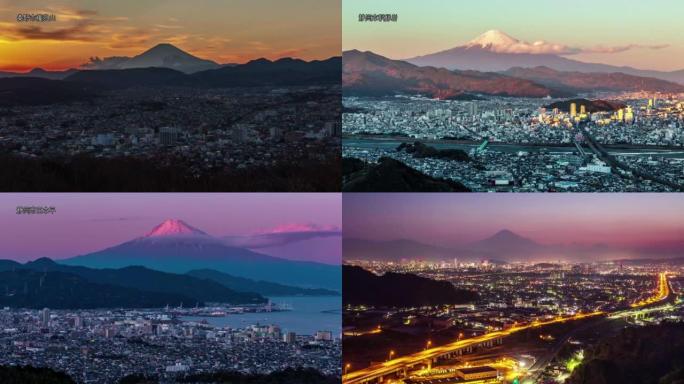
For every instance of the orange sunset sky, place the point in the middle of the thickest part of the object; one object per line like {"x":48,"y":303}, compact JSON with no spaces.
{"x":226,"y":31}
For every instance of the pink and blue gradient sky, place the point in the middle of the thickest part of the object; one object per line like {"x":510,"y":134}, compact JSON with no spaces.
{"x":89,"y":222}
{"x":634,"y":220}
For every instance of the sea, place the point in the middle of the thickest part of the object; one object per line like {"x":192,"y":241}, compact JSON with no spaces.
{"x":308,"y":314}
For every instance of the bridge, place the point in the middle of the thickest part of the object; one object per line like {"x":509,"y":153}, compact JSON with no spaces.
{"x":378,"y":372}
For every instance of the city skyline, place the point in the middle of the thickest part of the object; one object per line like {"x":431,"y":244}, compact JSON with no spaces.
{"x":85,"y":223}
{"x":451,"y":220}
{"x":428,"y":27}
{"x":226,"y":32}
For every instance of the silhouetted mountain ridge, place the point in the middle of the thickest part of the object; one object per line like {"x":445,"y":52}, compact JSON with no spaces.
{"x":264,"y":288}
{"x":595,"y":81}
{"x":369,"y":74}
{"x":148,"y":280}
{"x":27,"y":288}
{"x":361,"y":287}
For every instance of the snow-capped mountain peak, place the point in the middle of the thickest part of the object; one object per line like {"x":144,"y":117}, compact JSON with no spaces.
{"x":174,"y":227}
{"x":493,"y":39}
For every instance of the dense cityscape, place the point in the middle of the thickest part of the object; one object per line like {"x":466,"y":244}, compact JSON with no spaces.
{"x":523,"y":145}
{"x":199,"y":132}
{"x":591,"y":296}
{"x":103,"y":346}
{"x":565,"y":305}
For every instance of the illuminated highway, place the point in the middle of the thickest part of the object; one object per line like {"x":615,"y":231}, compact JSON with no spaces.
{"x":662,"y":293}
{"x":401,"y":363}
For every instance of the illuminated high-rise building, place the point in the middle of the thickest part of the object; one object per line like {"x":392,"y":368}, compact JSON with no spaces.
{"x":621,"y":114}
{"x":583,"y":110}
{"x":629,"y":115}
{"x":573,"y":109}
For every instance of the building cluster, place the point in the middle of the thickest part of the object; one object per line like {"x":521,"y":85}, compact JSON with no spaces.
{"x":642,"y":121}
{"x":102,"y":346}
{"x":205,"y":129}
{"x":521,"y":145}
{"x":512,"y":295}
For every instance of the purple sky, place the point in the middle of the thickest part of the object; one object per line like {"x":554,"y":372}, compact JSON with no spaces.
{"x":89,"y":222}
{"x":636,"y":219}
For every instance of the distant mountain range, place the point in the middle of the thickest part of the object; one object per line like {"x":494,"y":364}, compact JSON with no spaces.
{"x":40,"y":73}
{"x":282,"y":72}
{"x":261,"y":72}
{"x":399,"y":290}
{"x":495,"y":51}
{"x":264,"y":288}
{"x":162,"y":66}
{"x":369,"y":74}
{"x":161,"y":55}
{"x":27,"y":288}
{"x":577,"y":82}
{"x":162,"y":288}
{"x":393,"y":250}
{"x":132,"y":279}
{"x":191,"y":249}
{"x":503,"y":246}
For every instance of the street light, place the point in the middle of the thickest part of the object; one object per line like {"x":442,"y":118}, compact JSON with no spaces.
{"x":429,"y":343}
{"x":346,"y":368}
{"x":391,"y":353}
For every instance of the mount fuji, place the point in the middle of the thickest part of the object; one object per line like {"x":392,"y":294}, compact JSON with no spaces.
{"x":495,"y":51}
{"x":174,"y":246}
{"x":162,"y":55}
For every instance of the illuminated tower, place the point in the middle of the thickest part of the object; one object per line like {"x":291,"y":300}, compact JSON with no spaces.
{"x":583,"y":110}
{"x":629,"y":115}
{"x":573,"y":109}
{"x":621,"y":115}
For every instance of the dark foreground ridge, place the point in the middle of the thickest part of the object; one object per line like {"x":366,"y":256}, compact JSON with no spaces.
{"x":420,"y":150}
{"x":32,"y":375}
{"x":89,"y":174}
{"x":391,"y":175}
{"x":398,"y":290}
{"x":653,"y":354}
{"x":44,"y":283}
{"x":286,"y":376}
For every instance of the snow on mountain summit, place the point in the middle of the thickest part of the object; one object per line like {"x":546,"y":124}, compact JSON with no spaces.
{"x":173,"y":227}
{"x":494,"y":39}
